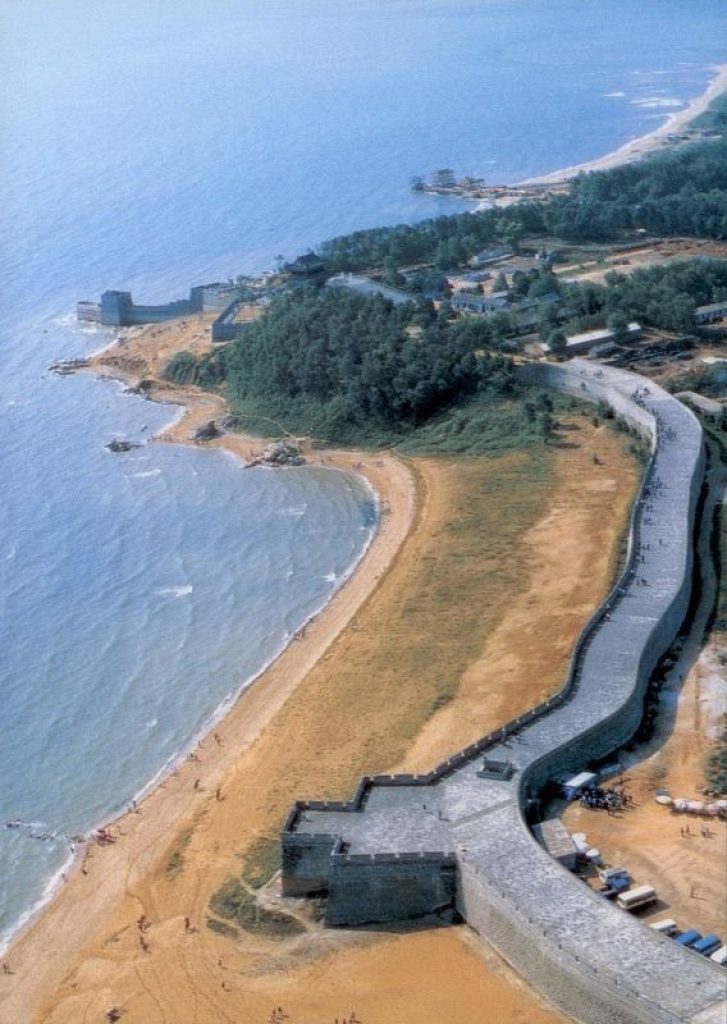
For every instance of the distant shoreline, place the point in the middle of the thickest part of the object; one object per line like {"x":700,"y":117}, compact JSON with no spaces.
{"x":642,"y":146}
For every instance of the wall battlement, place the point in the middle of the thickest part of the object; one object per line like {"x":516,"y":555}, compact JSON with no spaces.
{"x":590,"y":959}
{"x":118,"y":309}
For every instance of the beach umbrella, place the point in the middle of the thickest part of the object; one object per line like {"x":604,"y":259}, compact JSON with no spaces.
{"x":662,"y":792}
{"x":712,"y":810}
{"x":695,"y":806}
{"x":662,"y":798}
{"x":680,"y":804}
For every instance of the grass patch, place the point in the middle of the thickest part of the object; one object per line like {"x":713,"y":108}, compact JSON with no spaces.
{"x":175,"y":862}
{"x":416,"y":644}
{"x":234,"y":902}
{"x":222,"y":928}
{"x":261,"y":861}
{"x":480,"y":425}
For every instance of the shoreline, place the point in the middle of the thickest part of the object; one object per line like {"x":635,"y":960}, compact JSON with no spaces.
{"x":389,"y":476}
{"x":195,"y":407}
{"x":643,"y":145}
{"x":65,"y":978}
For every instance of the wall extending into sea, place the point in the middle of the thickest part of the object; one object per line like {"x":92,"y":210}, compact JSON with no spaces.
{"x":456,"y":841}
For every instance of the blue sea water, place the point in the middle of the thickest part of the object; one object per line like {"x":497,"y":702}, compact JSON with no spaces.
{"x":152,"y":146}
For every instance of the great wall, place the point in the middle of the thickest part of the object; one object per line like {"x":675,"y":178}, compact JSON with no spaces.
{"x":456,"y":842}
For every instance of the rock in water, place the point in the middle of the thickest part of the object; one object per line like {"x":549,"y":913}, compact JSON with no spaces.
{"x":122,"y":446}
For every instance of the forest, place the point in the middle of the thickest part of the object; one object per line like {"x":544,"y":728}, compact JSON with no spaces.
{"x":349,"y":366}
{"x":660,"y":296}
{"x":682,"y":191}
{"x":360,"y":370}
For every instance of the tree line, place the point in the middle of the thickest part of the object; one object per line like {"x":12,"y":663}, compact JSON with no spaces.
{"x":682,"y":191}
{"x":342,"y":363}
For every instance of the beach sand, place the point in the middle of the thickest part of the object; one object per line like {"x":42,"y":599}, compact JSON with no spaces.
{"x":292,"y":730}
{"x":640,"y":147}
{"x":82,"y":954}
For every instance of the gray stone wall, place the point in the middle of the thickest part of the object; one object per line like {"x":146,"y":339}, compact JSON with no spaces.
{"x":564,"y":979}
{"x":373,"y":889}
{"x":306,"y":863}
{"x":594,"y":961}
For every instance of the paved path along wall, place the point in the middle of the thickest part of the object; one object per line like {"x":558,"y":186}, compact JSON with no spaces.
{"x":417,"y":835}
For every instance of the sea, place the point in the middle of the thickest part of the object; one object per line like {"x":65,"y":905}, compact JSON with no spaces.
{"x":152,"y":146}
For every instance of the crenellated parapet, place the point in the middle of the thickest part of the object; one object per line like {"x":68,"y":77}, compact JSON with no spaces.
{"x":455,"y":842}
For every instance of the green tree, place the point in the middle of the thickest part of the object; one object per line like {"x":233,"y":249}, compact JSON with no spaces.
{"x":500,"y":282}
{"x":618,"y":322}
{"x":557,"y":343}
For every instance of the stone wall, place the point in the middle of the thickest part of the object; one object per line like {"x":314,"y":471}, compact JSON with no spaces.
{"x":592,"y":960}
{"x":306,"y":860}
{"x":376,"y":888}
{"x":564,"y":979}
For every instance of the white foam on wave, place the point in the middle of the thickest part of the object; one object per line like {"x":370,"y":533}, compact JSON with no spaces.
{"x":617,"y":95}
{"x":654,"y":102}
{"x":143,"y":473}
{"x":293,"y":511}
{"x":330,"y":577}
{"x":11,"y":554}
{"x":54,"y":883}
{"x":65,"y":320}
{"x":181,"y":591}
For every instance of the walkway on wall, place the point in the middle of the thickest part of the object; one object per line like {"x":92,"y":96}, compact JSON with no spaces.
{"x":592,"y":960}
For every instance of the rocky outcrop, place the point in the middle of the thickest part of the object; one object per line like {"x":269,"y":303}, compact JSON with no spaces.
{"x":278,"y":454}
{"x":123,"y":446}
{"x":66,"y":366}
{"x":206,"y":432}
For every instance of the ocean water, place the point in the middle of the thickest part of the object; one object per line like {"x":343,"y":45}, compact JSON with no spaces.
{"x":152,"y":146}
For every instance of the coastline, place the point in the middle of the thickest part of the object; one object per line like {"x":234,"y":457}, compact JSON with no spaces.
{"x":85,"y":955}
{"x":643,"y":145}
{"x":199,"y":407}
{"x":242,"y":717}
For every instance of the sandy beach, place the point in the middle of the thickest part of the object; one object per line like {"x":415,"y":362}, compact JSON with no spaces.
{"x":291,"y":734}
{"x":82,"y":953}
{"x":80,"y":906}
{"x":653,"y":141}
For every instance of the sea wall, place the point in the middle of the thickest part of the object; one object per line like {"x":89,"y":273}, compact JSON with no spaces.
{"x":118,"y":309}
{"x":616,"y":729}
{"x":592,"y":960}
